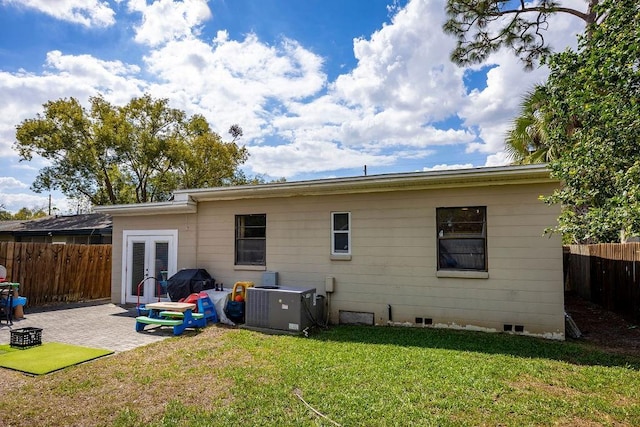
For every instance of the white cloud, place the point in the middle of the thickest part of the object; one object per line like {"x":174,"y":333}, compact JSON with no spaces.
{"x":309,"y":157}
{"x":89,"y":67}
{"x":493,"y":108}
{"x":445,"y":166}
{"x":498,"y":159}
{"x":393,"y":128}
{"x":386,"y":105}
{"x":9,"y":182}
{"x":13,"y":202}
{"x":90,"y":13}
{"x":114,"y":79}
{"x":167,"y":20}
{"x":404,"y":66}
{"x":228,"y":81}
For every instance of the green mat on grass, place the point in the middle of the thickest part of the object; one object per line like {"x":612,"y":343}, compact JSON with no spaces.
{"x":48,"y":357}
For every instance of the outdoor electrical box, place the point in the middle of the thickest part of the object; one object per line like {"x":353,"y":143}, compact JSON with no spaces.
{"x":329,"y":283}
{"x":281,"y":309}
{"x":269,"y":279}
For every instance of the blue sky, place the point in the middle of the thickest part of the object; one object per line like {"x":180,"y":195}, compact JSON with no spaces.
{"x":320,"y":87}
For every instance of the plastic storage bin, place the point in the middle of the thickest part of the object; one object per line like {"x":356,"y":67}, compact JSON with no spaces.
{"x":26,"y":337}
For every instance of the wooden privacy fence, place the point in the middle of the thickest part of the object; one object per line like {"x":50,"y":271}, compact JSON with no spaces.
{"x":50,"y":273}
{"x":607,"y":274}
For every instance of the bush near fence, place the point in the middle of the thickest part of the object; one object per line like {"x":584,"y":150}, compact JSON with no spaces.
{"x":52,"y":273}
{"x":607,"y":274}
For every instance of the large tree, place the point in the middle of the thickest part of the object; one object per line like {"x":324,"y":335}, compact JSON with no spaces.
{"x":140,"y":152}
{"x":593,"y":114}
{"x":482,"y":27}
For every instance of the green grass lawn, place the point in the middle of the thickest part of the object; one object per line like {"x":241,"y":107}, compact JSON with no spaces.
{"x":351,"y":376}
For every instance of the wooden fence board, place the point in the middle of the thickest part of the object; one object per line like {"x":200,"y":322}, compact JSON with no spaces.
{"x":607,"y":274}
{"x":50,"y":273}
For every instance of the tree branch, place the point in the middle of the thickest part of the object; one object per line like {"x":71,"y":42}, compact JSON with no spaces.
{"x":585,"y":16}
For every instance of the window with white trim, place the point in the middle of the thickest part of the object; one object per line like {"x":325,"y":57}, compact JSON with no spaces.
{"x":251,"y":239}
{"x":462,"y":238}
{"x":340,"y":233}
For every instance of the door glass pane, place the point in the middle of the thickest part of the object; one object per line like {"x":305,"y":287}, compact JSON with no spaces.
{"x":137,"y":267}
{"x":161,"y":263}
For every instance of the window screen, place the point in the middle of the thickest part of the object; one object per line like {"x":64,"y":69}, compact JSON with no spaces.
{"x":462,"y":238}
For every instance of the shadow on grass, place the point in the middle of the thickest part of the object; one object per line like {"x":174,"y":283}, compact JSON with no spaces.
{"x":481,"y":342}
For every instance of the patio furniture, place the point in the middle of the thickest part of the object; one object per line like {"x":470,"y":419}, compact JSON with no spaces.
{"x":172,"y":312}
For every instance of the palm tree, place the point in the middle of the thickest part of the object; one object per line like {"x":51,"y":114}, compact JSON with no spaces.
{"x":527,"y":142}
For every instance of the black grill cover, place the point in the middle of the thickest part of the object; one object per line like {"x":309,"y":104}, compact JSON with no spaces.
{"x":188,"y":281}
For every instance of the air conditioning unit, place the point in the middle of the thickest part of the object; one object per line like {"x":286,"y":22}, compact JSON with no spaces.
{"x":281,"y":309}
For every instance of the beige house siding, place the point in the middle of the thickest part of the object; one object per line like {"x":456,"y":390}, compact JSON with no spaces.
{"x":393,"y":245}
{"x":394,"y":251}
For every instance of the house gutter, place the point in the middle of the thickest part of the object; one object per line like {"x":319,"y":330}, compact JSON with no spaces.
{"x":185,"y":201}
{"x":181,"y":204}
{"x":460,"y":178}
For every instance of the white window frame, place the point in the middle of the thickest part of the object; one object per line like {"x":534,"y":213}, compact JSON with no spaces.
{"x":334,"y":232}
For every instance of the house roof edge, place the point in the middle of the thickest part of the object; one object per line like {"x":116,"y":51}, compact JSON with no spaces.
{"x":181,"y":205}
{"x":185,"y":201}
{"x":472,"y":177}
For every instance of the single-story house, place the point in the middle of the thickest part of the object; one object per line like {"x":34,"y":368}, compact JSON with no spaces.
{"x":461,"y":249}
{"x":85,"y":229}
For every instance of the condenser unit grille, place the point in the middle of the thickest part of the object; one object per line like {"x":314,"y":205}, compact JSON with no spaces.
{"x":257,"y":310}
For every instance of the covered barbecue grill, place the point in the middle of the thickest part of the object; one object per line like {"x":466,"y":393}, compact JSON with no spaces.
{"x":188,"y":281}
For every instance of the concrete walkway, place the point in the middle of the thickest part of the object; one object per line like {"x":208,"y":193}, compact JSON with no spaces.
{"x":98,"y":324}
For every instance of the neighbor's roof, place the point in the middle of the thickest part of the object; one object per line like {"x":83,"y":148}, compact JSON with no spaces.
{"x":96,"y":223}
{"x":185,"y":201}
{"x":10,"y":225}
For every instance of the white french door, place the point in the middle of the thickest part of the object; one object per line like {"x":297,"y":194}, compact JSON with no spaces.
{"x":149,"y":258}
